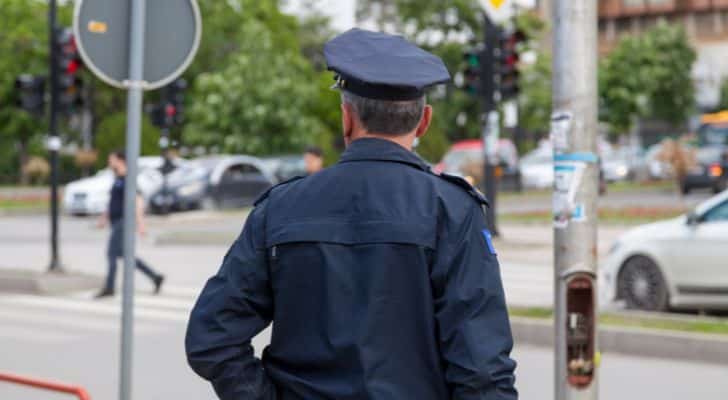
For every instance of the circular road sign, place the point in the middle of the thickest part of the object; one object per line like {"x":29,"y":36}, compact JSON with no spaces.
{"x":171,"y":38}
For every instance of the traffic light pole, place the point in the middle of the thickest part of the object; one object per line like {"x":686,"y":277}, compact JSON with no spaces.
{"x":166,"y":161}
{"x":574,"y":138}
{"x":492,"y":121}
{"x":53,"y":139}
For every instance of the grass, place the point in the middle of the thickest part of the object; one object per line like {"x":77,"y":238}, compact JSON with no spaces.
{"x":658,"y":322}
{"x":22,"y":204}
{"x":617,"y":216}
{"x":630,"y":186}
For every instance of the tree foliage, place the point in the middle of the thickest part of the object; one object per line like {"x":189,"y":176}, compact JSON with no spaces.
{"x":648,"y":76}
{"x":723,"y":105}
{"x":262,"y":99}
{"x":23,"y":50}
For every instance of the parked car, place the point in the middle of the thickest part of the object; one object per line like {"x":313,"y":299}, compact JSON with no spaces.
{"x":678,"y":263}
{"x":657,"y":169}
{"x":466,"y":154}
{"x":285,"y":167}
{"x":90,"y":196}
{"x":537,"y":168}
{"x":616,"y":167}
{"x":710,"y":172}
{"x":214,"y":182}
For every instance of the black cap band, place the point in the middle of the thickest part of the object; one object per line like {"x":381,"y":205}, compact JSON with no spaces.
{"x":378,"y":92}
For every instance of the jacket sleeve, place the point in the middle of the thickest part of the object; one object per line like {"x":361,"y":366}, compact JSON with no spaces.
{"x":234,"y":306}
{"x":471,"y":313}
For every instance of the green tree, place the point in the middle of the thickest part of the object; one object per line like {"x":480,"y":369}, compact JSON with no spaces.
{"x":648,"y":76}
{"x":111,"y":135}
{"x":723,"y":105}
{"x":259,"y":102}
{"x":23,"y":50}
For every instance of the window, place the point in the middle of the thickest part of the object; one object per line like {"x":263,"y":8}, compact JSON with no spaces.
{"x":713,"y":135}
{"x":718,"y":213}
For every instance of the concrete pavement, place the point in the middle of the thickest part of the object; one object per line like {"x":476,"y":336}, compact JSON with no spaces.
{"x":72,"y":338}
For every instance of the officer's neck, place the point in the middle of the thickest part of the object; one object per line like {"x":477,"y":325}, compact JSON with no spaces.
{"x":405,"y":141}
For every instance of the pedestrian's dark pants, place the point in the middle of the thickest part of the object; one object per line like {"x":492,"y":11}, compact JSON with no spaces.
{"x":116,"y":251}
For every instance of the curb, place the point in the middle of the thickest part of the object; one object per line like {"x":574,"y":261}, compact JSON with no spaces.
{"x":633,"y":341}
{"x":44,"y":283}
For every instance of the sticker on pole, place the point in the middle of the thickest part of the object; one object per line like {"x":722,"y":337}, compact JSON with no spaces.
{"x":567,"y":177}
{"x":561,"y":122}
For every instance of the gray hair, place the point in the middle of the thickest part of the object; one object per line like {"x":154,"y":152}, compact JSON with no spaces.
{"x":387,"y":117}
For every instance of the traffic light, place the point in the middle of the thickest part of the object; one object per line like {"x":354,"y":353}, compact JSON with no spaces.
{"x":30,"y":92}
{"x":68,"y":64}
{"x":473,"y":72}
{"x":507,"y":59}
{"x":169,"y":112}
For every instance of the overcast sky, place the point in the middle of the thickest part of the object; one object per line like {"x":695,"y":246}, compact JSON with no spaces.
{"x":342,"y":12}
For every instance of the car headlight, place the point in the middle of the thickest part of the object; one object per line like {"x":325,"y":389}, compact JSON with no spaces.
{"x":191,"y":188}
{"x":622,"y":170}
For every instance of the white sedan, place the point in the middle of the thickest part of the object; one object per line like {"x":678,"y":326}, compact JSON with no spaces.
{"x":679,"y":263}
{"x":90,"y":196}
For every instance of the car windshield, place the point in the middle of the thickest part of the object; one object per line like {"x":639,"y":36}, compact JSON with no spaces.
{"x":713,"y":135}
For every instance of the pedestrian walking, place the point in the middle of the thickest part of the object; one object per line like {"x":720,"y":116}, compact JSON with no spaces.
{"x":379,"y":276}
{"x":313,"y":158}
{"x":114,"y":216}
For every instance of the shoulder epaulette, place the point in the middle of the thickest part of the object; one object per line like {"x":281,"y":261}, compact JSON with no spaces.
{"x":465,"y":185}
{"x":265,"y":194}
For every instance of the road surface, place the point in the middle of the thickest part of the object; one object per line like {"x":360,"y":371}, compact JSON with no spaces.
{"x":75,"y":339}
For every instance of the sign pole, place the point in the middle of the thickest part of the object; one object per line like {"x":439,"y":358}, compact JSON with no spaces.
{"x":133,"y":127}
{"x":491,"y":130}
{"x":576,"y":172}
{"x":53,"y":139}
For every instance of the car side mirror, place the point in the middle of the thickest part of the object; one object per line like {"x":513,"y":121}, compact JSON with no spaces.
{"x":693,"y":219}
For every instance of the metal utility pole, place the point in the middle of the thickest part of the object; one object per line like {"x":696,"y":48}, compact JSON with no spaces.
{"x":133,"y":133}
{"x":576,"y":168}
{"x":54,"y":142}
{"x":491,"y":128}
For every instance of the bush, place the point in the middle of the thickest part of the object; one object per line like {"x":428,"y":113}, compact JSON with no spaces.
{"x":111,"y":135}
{"x":36,"y":169}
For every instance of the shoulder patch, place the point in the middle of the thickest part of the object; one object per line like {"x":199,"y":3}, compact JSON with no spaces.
{"x":265,"y":194}
{"x":465,"y":185}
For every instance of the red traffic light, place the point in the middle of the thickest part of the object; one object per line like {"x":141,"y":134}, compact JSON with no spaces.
{"x":170,"y":110}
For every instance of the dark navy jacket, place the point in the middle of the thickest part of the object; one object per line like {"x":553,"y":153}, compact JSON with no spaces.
{"x":380,"y":280}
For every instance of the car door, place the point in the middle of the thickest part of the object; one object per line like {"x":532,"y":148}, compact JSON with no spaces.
{"x":706,"y":250}
{"x":252,"y":184}
{"x":240,"y":185}
{"x":228,"y":189}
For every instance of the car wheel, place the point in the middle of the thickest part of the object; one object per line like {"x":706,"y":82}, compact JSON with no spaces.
{"x":642,"y":285}
{"x":720,"y":186}
{"x":685,"y":189}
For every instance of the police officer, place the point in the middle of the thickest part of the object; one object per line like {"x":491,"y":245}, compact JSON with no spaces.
{"x":380,"y":277}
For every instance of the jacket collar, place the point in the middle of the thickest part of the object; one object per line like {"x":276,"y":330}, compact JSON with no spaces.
{"x":374,"y":149}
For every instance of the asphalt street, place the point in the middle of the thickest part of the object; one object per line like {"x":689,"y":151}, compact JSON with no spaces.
{"x":75,"y":339}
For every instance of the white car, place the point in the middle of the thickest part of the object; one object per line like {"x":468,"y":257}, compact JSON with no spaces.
{"x":679,"y":263}
{"x":90,"y":196}
{"x":537,"y":168}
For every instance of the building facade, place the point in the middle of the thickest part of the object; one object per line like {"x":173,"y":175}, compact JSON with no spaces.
{"x":705,"y":22}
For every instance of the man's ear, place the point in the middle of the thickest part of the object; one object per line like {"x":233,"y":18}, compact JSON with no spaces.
{"x":424,"y":122}
{"x":347,"y":121}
